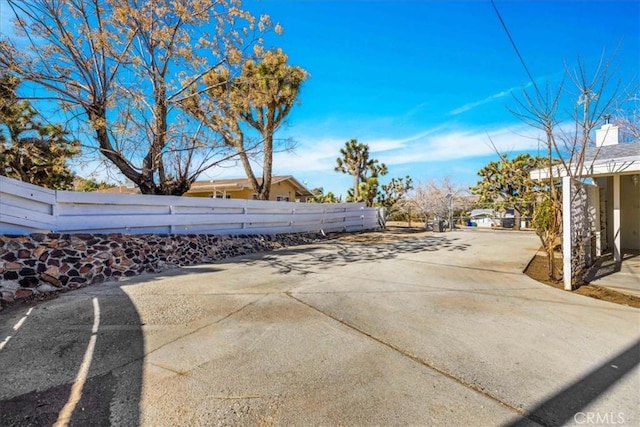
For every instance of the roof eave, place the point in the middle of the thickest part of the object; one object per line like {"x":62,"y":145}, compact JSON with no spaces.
{"x":621,"y":166}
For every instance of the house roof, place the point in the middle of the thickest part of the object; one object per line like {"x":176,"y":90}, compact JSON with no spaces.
{"x":612,"y":152}
{"x":616,"y":159}
{"x":480,"y":212}
{"x":238,"y":184}
{"x":120,"y":189}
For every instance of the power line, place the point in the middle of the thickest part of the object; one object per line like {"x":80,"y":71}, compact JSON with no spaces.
{"x":513,"y":43}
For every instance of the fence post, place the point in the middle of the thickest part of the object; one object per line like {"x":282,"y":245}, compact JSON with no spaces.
{"x":172,"y":227}
{"x":55,"y":213}
{"x":244,"y":220}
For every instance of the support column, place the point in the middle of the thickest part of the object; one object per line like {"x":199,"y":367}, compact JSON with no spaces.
{"x":566,"y":233}
{"x":595,"y":206}
{"x":617,"y":251}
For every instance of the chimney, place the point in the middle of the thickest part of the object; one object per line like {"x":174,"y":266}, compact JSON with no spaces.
{"x":607,"y":135}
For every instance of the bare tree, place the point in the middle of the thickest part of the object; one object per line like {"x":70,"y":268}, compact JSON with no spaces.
{"x":566,"y":135}
{"x":430,"y":198}
{"x":122,"y":69}
{"x":629,"y":119}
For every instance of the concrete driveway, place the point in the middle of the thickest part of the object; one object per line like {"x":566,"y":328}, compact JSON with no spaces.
{"x":436,"y":329}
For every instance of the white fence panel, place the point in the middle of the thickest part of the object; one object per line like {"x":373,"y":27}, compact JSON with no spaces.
{"x":92,"y":198}
{"x":76,"y":210}
{"x":25,"y":208}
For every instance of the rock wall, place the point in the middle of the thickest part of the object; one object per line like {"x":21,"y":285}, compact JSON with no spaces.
{"x":42,"y":263}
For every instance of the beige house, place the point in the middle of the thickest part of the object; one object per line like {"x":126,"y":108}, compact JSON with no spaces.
{"x":284,"y":188}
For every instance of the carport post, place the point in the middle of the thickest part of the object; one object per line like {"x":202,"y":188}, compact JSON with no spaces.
{"x":566,"y":232}
{"x":617,"y":253}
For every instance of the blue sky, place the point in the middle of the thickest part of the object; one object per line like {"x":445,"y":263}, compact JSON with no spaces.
{"x":426,"y":83}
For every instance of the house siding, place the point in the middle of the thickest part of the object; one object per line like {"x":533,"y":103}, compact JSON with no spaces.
{"x":629,"y":212}
{"x":283,"y":189}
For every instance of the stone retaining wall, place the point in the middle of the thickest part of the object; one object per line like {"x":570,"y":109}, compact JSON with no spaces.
{"x":42,"y":263}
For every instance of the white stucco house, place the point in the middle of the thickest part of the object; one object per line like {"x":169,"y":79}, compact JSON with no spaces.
{"x":601,"y":203}
{"x":491,"y":218}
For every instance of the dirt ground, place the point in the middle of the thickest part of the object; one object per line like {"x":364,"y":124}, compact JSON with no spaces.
{"x":393,"y":233}
{"x":537,"y":270}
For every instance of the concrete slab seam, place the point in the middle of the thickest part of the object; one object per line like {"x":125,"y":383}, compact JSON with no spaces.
{"x":424,"y":363}
{"x":208,"y":324}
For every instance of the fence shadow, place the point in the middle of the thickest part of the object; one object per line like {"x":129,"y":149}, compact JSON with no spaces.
{"x":42,"y":363}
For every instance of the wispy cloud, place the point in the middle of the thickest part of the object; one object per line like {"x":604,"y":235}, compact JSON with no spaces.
{"x":379,"y":145}
{"x":311,"y":155}
{"x":472,"y":105}
{"x":457,"y":145}
{"x":488,"y":99}
{"x":442,"y":143}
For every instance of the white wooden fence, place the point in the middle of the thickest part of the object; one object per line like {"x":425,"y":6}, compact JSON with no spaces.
{"x":26,"y":208}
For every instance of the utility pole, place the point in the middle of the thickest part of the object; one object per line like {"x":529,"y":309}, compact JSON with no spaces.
{"x":450,"y":198}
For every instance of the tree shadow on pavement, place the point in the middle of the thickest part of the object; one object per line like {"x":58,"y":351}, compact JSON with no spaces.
{"x":78,"y":355}
{"x":312,"y":258}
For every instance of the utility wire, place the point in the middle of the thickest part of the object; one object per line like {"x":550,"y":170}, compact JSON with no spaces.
{"x":513,"y":43}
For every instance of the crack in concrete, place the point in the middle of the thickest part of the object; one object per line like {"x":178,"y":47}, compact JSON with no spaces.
{"x":207,"y":325}
{"x":465,"y":267}
{"x":178,"y":372}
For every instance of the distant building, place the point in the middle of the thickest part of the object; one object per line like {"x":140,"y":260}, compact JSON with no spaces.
{"x":491,"y":218}
{"x":283,"y":188}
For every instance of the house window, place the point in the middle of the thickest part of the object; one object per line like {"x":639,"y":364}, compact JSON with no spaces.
{"x":219,"y":196}
{"x":282,"y":198}
{"x":228,"y":196}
